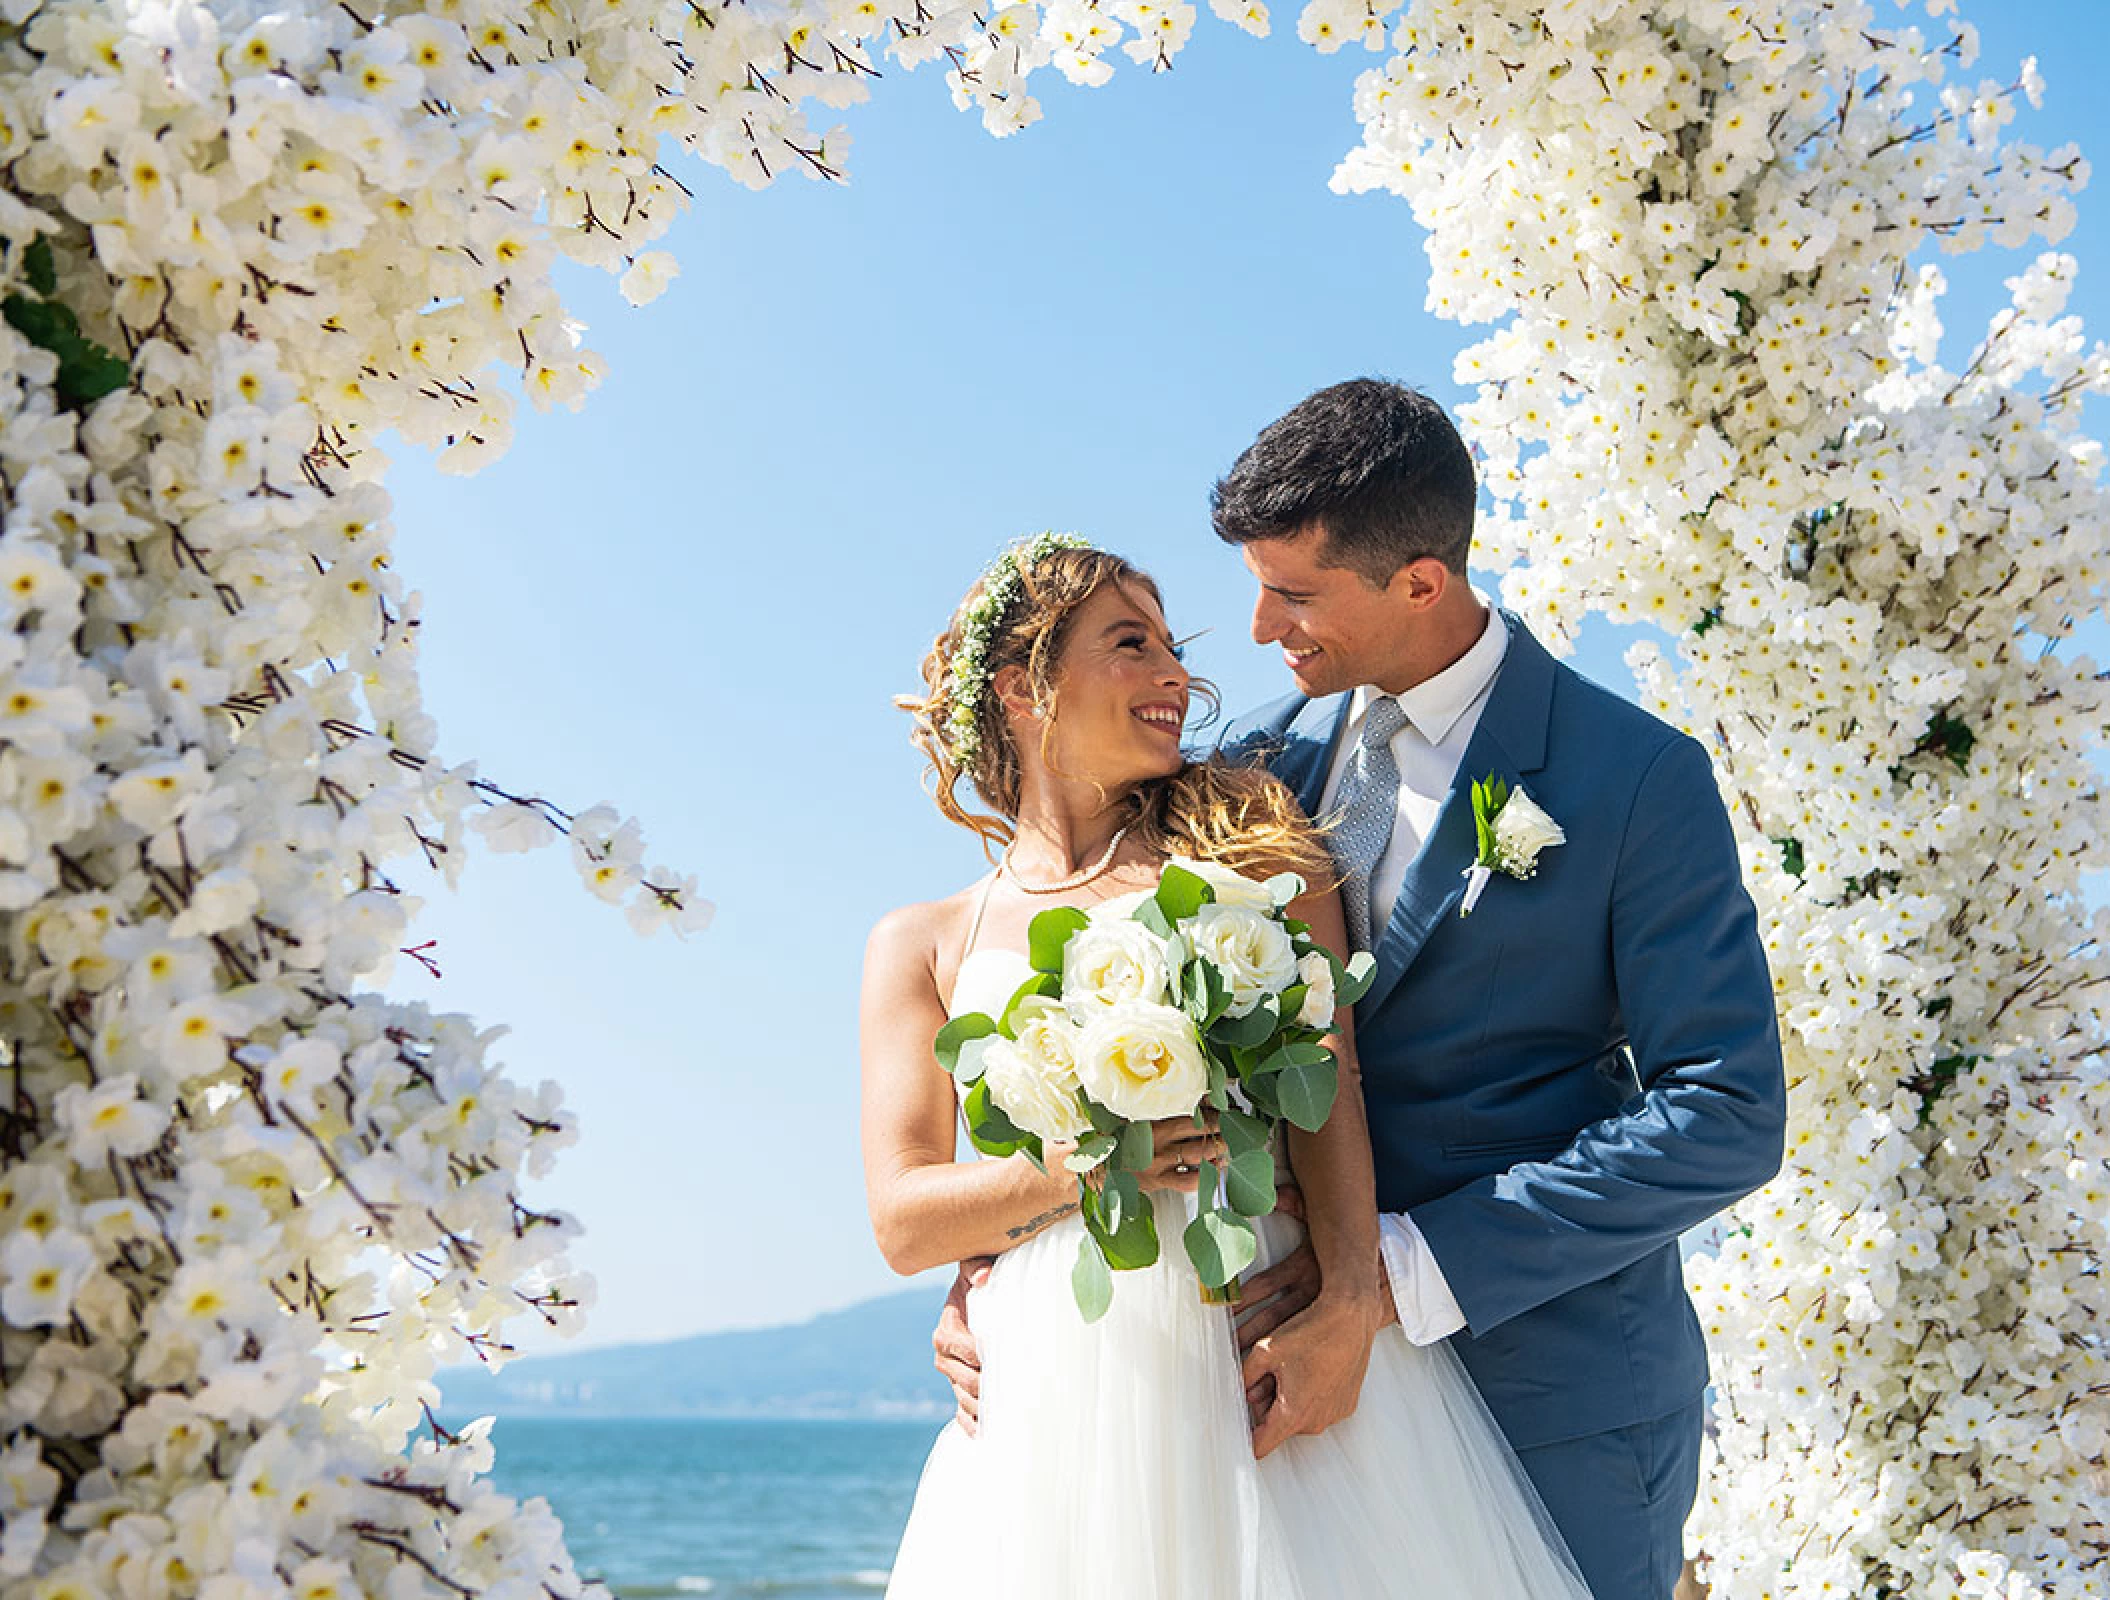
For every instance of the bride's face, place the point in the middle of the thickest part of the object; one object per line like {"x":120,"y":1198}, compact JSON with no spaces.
{"x":1121,"y":693}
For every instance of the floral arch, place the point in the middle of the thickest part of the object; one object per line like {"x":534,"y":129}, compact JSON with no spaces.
{"x":247,"y":1207}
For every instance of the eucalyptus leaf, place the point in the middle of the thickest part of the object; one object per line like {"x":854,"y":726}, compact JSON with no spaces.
{"x":1091,"y":1152}
{"x":1206,"y":994}
{"x":1242,"y":1132}
{"x":1249,"y":1183}
{"x":1221,"y":1246}
{"x":1306,"y":1091}
{"x":1138,"y":1148}
{"x":1048,"y":933}
{"x":988,"y":1129}
{"x":1092,"y":1284}
{"x":1153,"y":918}
{"x":1255,"y":1027}
{"x":1352,"y":981}
{"x":1182,"y":893}
{"x":1042,"y":986}
{"x":1297,"y":1053}
{"x":967,"y":1025}
{"x":1284,"y":887}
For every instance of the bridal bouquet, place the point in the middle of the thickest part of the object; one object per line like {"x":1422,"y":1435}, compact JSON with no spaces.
{"x":1206,"y":994}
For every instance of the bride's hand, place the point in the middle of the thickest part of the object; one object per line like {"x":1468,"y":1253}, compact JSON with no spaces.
{"x":1181,"y":1148}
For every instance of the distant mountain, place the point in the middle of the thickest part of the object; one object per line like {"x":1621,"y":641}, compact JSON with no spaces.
{"x":869,"y":1360}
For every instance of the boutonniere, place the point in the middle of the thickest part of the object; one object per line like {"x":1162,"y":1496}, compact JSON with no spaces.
{"x":1513,"y":829}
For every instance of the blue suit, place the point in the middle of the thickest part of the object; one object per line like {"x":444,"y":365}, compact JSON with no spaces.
{"x":1562,"y":1083}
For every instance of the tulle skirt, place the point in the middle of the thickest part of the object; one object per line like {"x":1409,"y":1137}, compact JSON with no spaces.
{"x":1114,"y":1460}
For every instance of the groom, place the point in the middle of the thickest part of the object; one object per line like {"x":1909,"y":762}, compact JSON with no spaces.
{"x":1563,"y":1081}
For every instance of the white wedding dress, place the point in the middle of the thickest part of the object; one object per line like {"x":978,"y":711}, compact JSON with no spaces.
{"x":1114,"y":1459}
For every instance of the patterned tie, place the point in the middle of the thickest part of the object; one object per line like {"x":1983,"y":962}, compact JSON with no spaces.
{"x":1367,"y":805}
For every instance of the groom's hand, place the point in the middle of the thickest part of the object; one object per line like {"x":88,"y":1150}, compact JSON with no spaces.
{"x":1269,"y":1299}
{"x":958,"y":1357}
{"x":1315,"y":1365}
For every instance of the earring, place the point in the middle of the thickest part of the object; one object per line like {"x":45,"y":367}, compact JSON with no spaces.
{"x":1039,"y":712}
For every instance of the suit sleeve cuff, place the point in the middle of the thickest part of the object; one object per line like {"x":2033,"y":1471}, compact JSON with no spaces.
{"x":1428,"y":1311}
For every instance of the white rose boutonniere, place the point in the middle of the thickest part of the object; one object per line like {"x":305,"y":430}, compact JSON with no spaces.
{"x":1513,"y":828}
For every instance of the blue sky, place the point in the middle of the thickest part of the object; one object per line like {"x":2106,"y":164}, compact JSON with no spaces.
{"x":694,"y":598}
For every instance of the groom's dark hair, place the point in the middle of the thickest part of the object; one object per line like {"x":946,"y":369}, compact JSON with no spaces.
{"x":1376,"y":464}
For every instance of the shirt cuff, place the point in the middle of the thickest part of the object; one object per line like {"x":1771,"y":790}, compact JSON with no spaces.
{"x":1428,"y":1311}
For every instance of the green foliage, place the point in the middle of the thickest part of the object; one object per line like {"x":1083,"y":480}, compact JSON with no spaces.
{"x":1181,"y":893}
{"x":87,"y":371}
{"x":1092,"y":1284}
{"x":1048,"y":933}
{"x":968,"y":1025}
{"x":1791,"y":859}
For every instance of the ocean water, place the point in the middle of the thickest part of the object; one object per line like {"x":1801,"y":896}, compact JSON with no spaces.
{"x":657,"y":1507}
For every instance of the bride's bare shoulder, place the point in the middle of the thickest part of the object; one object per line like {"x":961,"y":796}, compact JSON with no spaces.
{"x":922,"y":928}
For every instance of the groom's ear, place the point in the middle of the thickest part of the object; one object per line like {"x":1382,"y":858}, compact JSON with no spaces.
{"x":1420,"y":582}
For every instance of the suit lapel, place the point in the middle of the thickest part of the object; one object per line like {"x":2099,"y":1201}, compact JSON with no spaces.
{"x":1509,"y":742}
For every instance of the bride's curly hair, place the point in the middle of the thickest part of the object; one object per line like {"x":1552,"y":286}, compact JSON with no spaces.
{"x":1209,"y":810}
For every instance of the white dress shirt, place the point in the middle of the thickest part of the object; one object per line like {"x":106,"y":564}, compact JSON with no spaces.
{"x":1442,"y":711}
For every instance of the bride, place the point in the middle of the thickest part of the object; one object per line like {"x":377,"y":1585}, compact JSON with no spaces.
{"x":1116,"y":1458}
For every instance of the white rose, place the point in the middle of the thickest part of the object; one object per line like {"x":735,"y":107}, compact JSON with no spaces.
{"x":1522,"y":830}
{"x":1316,"y":973}
{"x":1142,"y":1062}
{"x":1250,"y":952}
{"x":1232,"y":888}
{"x":1113,"y":963}
{"x":1033,"y":1078}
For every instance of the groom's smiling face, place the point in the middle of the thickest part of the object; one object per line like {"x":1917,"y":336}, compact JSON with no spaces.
{"x":1335,"y":628}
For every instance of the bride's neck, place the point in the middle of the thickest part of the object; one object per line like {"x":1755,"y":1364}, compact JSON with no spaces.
{"x":1060,"y":831}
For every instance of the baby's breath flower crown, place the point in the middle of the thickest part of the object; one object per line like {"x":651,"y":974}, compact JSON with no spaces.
{"x":1001,"y":585}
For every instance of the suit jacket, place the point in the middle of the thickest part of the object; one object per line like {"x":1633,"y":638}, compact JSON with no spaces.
{"x":1562,"y":1083}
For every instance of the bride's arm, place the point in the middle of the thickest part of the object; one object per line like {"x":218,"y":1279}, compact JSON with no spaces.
{"x":928,"y":1210}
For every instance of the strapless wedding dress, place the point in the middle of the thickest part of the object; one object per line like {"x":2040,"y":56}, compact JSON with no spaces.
{"x":1113,"y":1460}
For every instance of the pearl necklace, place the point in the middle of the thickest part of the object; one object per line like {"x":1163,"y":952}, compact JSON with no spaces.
{"x":1076,"y":880}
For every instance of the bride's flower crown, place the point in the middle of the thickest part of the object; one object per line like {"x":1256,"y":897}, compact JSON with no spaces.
{"x":1001,"y":584}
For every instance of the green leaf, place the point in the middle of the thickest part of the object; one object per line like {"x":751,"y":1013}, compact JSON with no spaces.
{"x":1181,"y":893}
{"x":88,"y":372}
{"x":1124,"y":1223}
{"x":1292,"y":999}
{"x":967,"y":1025}
{"x":988,"y":1129}
{"x":1255,"y":1027}
{"x":1261,"y":1092}
{"x":38,"y":267}
{"x":1138,"y":1147}
{"x":1221,"y":1245}
{"x":1092,"y":1284}
{"x":1205,"y":994}
{"x":1352,"y":982}
{"x":46,"y":323}
{"x":1092,"y":1151}
{"x":1153,"y":918}
{"x":1249,"y":1183}
{"x":1041,"y":986}
{"x":1048,"y":933}
{"x":1242,"y":1132}
{"x":1103,"y":1120}
{"x":1285,"y":887}
{"x":1294,"y":1054}
{"x":1791,"y":857}
{"x":1306,"y":1090}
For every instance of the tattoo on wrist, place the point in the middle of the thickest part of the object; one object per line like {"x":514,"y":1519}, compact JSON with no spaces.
{"x":1041,"y":1221}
